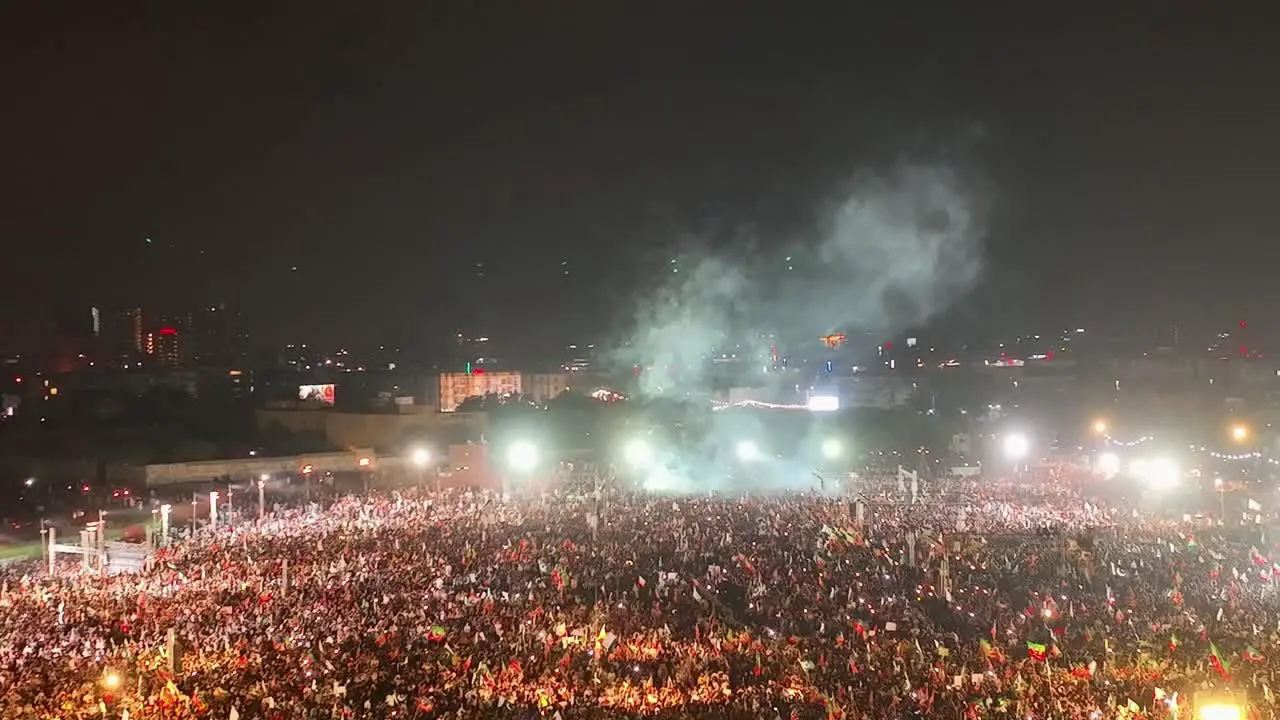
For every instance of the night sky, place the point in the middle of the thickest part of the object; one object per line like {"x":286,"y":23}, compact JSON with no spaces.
{"x":384,"y":153}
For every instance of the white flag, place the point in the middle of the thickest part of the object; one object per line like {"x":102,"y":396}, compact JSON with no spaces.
{"x":233,"y":715}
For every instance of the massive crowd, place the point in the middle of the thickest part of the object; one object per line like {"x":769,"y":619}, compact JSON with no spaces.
{"x":982,"y":600}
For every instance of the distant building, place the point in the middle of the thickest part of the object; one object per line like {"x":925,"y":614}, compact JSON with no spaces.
{"x":538,"y":387}
{"x":164,"y":347}
{"x":457,"y":387}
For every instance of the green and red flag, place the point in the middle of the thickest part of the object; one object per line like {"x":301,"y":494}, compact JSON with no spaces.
{"x":1251,"y":654}
{"x":436,"y":633}
{"x":1173,"y":642}
{"x":1037,"y":651}
{"x":1223,"y":667}
{"x":990,"y":651}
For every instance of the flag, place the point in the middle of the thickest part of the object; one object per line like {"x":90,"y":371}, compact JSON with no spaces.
{"x":1173,"y":642}
{"x":1254,"y":505}
{"x":1222,"y":666}
{"x":1251,"y":654}
{"x":989,"y":651}
{"x":1037,"y":651}
{"x":436,"y":633}
{"x":1081,"y":671}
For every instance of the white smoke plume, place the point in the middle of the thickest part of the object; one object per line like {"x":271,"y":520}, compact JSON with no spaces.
{"x":893,"y":250}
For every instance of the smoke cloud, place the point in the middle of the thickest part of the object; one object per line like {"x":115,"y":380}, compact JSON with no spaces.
{"x":890,"y":251}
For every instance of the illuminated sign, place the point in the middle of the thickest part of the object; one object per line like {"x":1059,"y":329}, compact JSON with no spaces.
{"x":833,"y":341}
{"x":316,"y":393}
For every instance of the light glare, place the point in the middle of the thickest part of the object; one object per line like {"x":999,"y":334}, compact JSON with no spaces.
{"x":638,"y":453}
{"x":522,"y":456}
{"x":1016,"y":446}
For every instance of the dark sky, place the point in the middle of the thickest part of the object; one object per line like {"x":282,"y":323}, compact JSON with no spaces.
{"x":383,"y":149}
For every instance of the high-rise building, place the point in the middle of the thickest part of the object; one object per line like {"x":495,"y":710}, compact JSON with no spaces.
{"x":165,"y":346}
{"x":216,"y":335}
{"x":124,"y":332}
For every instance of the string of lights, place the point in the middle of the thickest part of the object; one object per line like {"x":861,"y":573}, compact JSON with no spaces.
{"x":1231,"y":457}
{"x":1132,"y":443}
{"x":718,"y":405}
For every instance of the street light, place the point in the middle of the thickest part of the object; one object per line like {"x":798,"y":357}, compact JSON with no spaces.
{"x":306,"y":479}
{"x":832,"y":448}
{"x":748,"y":451}
{"x":420,"y":457}
{"x":1240,"y":432}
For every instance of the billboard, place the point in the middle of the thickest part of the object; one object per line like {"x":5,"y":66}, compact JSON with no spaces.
{"x":316,"y":393}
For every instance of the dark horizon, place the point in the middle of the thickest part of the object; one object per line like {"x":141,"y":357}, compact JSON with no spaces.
{"x":384,"y":155}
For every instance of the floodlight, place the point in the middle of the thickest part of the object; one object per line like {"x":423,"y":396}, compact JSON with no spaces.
{"x":420,"y":457}
{"x":638,"y":453}
{"x":748,"y":451}
{"x":823,"y":403}
{"x":522,"y":456}
{"x":1239,"y":432}
{"x":832,"y":448}
{"x":1161,"y":473}
{"x":1016,"y":446}
{"x":1108,"y":464}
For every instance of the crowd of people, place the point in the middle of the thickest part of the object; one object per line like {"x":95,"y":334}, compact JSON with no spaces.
{"x":978,"y":599}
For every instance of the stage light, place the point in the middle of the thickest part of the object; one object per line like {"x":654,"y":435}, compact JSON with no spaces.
{"x":832,"y":448}
{"x":748,"y":451}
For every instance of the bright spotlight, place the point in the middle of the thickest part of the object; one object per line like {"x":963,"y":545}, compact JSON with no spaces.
{"x":1161,"y":473}
{"x":1016,"y":446}
{"x":420,"y":457}
{"x":111,"y":680}
{"x":522,"y":456}
{"x":638,"y":453}
{"x":29,"y":482}
{"x":1100,"y":427}
{"x":1108,"y":464}
{"x":823,"y":403}
{"x":1219,"y":711}
{"x":832,"y":448}
{"x":748,"y":451}
{"x":1239,"y":432}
